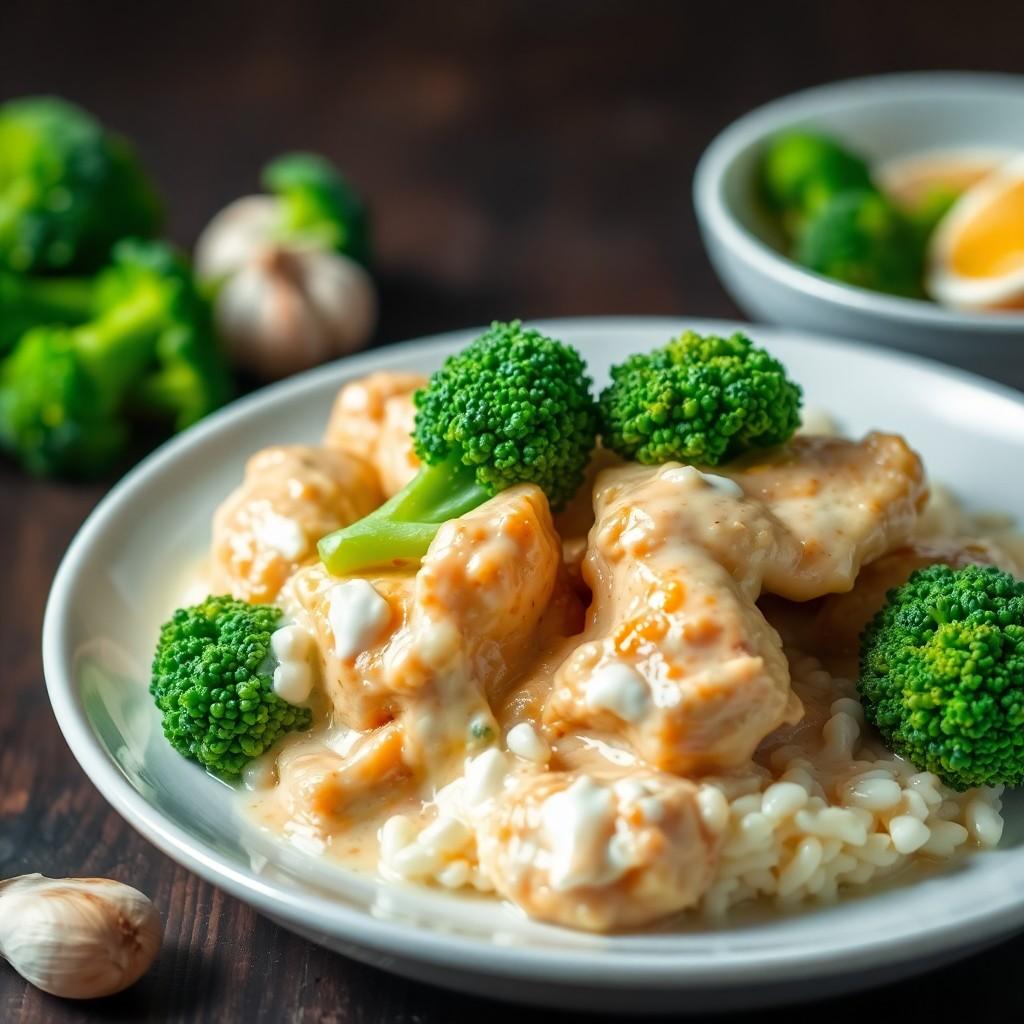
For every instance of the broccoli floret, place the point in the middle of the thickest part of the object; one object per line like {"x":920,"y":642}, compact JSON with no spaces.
{"x":210,"y":684}
{"x":68,"y":189}
{"x":319,"y":204}
{"x":863,"y":239}
{"x":188,"y":377}
{"x":942,"y":674}
{"x":513,"y":407}
{"x":66,"y":393}
{"x":26,"y":302}
{"x":801,"y":171}
{"x":698,"y":399}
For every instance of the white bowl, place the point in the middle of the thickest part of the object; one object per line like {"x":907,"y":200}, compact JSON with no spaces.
{"x":122,"y":576}
{"x":886,"y":118}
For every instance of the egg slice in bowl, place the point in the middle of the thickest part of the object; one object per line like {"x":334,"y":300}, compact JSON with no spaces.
{"x":976,"y":257}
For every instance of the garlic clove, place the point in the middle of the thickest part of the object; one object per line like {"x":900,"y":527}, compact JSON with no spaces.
{"x":344,"y":297}
{"x":266,"y":323}
{"x":79,"y":938}
{"x":239,"y":230}
{"x":291,"y":307}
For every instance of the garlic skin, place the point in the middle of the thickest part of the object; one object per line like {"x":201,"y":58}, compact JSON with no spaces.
{"x":282,"y":306}
{"x":235,"y":234}
{"x":78,"y":938}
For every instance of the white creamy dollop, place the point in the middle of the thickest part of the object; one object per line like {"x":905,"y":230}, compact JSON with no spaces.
{"x":816,"y":420}
{"x":284,"y":535}
{"x":524,"y":741}
{"x":293,"y":676}
{"x":580,"y":826}
{"x":485,"y":776}
{"x":722,"y":484}
{"x":620,"y":689}
{"x":357,"y":614}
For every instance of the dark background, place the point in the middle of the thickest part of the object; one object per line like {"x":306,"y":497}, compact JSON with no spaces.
{"x":522,"y":159}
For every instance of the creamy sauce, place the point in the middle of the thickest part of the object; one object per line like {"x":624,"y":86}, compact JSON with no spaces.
{"x":478,"y":736}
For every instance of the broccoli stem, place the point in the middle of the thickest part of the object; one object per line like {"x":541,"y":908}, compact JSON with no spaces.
{"x":58,"y":299}
{"x":28,"y":301}
{"x":403,"y":527}
{"x":119,"y":344}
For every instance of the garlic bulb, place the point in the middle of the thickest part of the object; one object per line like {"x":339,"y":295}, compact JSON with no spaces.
{"x":79,"y":938}
{"x":282,"y":306}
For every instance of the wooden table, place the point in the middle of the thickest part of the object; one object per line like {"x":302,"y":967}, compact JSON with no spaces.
{"x":522,"y":160}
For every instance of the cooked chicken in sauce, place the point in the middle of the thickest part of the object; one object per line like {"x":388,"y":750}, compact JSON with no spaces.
{"x":570,"y":711}
{"x":373,"y":418}
{"x":291,"y":496}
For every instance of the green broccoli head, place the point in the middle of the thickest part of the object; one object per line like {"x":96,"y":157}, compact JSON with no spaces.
{"x":318,"y":203}
{"x":69,"y":396}
{"x":698,"y":399}
{"x":801,"y":171}
{"x":68,"y":189}
{"x":942,"y":674}
{"x":861,"y":238}
{"x":513,"y":407}
{"x":209,"y":682}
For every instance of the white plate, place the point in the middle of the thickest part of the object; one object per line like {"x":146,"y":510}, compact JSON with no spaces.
{"x":118,"y":582}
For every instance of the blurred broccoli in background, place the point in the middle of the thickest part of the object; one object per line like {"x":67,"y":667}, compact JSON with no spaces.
{"x":28,"y":301}
{"x":317,"y":203}
{"x":801,"y":171}
{"x":68,"y":189}
{"x":70,"y":395}
{"x":861,"y":238}
{"x":838,"y":222}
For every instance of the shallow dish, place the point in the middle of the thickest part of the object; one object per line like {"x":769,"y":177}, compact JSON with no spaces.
{"x":887,"y":118}
{"x":124,"y":570}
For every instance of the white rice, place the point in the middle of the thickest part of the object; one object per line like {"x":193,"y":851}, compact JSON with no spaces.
{"x":831,"y":812}
{"x":834,"y":811}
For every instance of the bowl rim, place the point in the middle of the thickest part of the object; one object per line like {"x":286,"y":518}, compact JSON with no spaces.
{"x":394,"y":938}
{"x":717,"y":218}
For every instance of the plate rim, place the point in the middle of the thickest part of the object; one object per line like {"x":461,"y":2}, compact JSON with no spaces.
{"x":670,"y":970}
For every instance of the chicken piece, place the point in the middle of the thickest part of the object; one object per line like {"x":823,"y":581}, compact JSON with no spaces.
{"x":598,"y":854}
{"x":845,"y":502}
{"x":373,"y":418}
{"x":676,"y":658}
{"x":269,"y":526}
{"x":434,"y":649}
{"x":835,"y":630}
{"x":329,"y":788}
